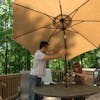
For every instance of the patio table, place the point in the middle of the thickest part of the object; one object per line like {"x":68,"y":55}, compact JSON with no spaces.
{"x":59,"y":90}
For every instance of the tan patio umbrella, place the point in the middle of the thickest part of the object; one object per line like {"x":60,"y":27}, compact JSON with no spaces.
{"x":70,"y":24}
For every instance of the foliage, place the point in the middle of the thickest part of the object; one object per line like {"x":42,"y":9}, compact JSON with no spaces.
{"x":12,"y":56}
{"x":56,"y":64}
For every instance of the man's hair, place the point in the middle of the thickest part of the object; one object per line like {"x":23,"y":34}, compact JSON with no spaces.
{"x":43,"y":44}
{"x":77,"y":65}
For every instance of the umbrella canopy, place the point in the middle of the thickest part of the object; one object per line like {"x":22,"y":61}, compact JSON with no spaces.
{"x":70,"y":24}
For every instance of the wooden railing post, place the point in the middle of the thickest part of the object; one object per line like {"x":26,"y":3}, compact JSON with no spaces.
{"x":0,"y":87}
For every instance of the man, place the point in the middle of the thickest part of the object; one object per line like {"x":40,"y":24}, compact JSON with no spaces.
{"x":39,"y":68}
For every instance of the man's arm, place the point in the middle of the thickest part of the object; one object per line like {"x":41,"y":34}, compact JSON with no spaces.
{"x":54,"y":56}
{"x":83,"y":74}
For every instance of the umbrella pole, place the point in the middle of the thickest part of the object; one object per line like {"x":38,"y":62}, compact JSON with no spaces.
{"x":64,"y":25}
{"x":65,"y":61}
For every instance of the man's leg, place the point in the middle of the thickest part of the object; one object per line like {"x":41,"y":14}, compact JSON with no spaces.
{"x":38,"y":83}
{"x":33,"y":82}
{"x":30,"y":87}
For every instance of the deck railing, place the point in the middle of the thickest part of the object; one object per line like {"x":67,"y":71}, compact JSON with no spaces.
{"x":58,"y":75}
{"x":9,"y":86}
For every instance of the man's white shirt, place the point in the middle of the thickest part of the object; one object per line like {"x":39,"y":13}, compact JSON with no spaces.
{"x":39,"y":65}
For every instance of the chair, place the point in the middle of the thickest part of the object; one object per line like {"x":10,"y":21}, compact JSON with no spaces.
{"x":47,"y":79}
{"x":24,"y":85}
{"x":96,"y":75}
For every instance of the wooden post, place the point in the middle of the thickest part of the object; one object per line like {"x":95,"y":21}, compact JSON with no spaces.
{"x":0,"y":87}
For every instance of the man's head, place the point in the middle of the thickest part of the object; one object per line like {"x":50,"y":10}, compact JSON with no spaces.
{"x":44,"y":46}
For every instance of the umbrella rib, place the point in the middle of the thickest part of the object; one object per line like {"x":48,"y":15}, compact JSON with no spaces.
{"x":34,"y":31}
{"x":73,"y":14}
{"x":75,"y":11}
{"x":53,"y":34}
{"x":78,"y":23}
{"x":81,"y":21}
{"x":60,"y":7}
{"x":83,"y":37}
{"x":51,"y":17}
{"x":87,"y":20}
